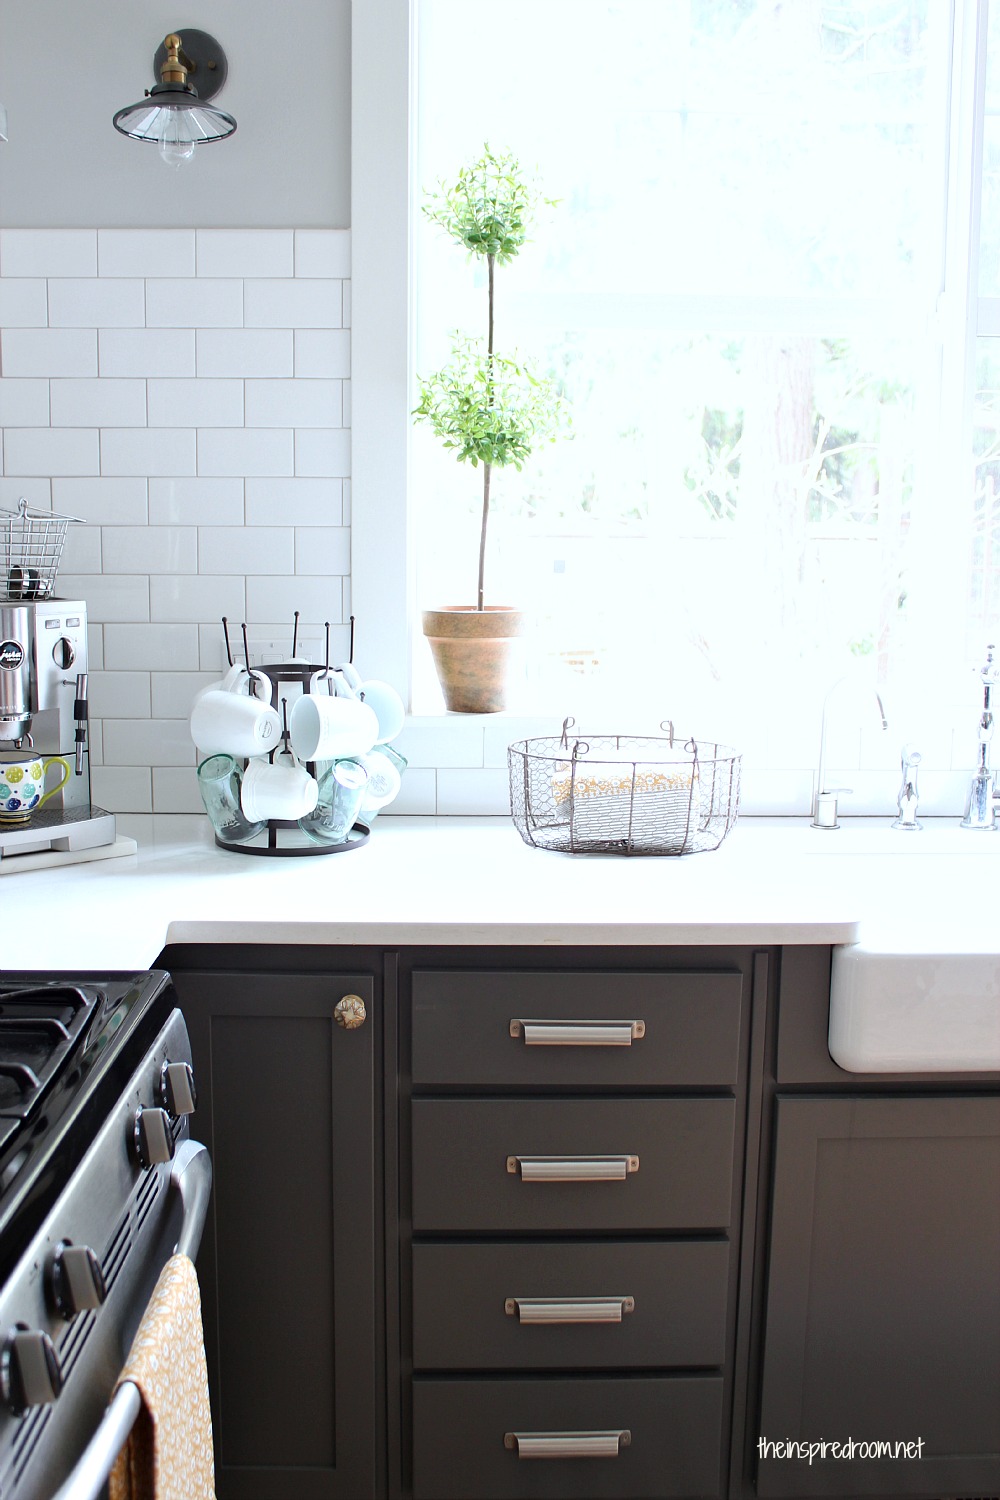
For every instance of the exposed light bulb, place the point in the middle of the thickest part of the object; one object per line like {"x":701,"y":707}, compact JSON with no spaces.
{"x":176,"y":141}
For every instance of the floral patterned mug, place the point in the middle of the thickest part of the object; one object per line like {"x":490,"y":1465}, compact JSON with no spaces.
{"x":22,"y":785}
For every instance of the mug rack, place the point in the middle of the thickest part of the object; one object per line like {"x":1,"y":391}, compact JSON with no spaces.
{"x":282,"y":838}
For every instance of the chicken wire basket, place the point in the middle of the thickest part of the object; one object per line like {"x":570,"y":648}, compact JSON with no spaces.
{"x":623,"y":794}
{"x":32,"y":543}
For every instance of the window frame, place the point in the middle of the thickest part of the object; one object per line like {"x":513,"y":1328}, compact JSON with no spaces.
{"x":383,"y":586}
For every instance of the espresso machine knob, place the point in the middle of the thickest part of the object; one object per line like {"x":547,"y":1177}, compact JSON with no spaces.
{"x":154,"y":1142}
{"x":64,"y":653}
{"x":29,"y":1369}
{"x":177,"y":1091}
{"x":76,"y":1280}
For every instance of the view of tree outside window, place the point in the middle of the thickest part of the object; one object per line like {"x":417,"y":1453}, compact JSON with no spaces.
{"x":736,"y":292}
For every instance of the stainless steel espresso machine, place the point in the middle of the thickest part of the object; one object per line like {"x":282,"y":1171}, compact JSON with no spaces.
{"x":43,"y":686}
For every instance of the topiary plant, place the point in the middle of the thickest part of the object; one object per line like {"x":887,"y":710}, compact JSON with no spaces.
{"x":489,"y":408}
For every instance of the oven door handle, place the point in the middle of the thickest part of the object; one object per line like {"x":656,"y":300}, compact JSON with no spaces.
{"x":191,"y":1177}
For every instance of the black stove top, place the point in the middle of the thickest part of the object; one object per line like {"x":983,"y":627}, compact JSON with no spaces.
{"x":68,"y":1045}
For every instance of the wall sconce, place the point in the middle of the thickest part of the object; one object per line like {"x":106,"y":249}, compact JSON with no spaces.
{"x":175,"y":114}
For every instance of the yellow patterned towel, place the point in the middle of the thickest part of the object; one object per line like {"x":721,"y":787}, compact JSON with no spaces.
{"x":169,"y":1453}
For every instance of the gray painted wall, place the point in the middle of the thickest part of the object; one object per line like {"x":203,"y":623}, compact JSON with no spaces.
{"x":65,"y":68}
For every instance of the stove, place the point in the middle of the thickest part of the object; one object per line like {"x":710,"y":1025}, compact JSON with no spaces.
{"x":96,"y":1167}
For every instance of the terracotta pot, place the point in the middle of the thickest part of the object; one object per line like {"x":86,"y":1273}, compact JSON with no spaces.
{"x":472,"y":650}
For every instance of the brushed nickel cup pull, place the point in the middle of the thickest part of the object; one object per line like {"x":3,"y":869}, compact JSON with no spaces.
{"x":572,"y":1168}
{"x":578,"y":1033}
{"x":568,"y":1444}
{"x":568,"y":1309}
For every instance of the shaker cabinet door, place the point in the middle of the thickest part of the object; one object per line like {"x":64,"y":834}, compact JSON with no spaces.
{"x":285,"y":1104}
{"x":883,"y":1304}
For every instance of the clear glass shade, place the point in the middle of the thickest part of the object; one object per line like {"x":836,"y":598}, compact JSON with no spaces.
{"x":177,"y":123}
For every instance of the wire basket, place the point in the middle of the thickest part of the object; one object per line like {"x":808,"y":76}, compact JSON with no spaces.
{"x":33,"y":543}
{"x":623,"y":794}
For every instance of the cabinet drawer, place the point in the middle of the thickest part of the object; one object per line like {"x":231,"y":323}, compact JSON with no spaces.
{"x":462,"y":1024}
{"x":464,"y":1150}
{"x":463,"y":1318}
{"x":673,"y":1427}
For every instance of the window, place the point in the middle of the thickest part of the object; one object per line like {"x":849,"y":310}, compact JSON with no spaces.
{"x":753,"y":292}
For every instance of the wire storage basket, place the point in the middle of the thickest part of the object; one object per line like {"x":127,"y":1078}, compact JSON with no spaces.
{"x":623,"y":794}
{"x":33,"y":543}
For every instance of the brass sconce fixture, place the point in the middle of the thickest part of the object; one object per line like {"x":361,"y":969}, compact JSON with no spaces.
{"x":175,"y":113}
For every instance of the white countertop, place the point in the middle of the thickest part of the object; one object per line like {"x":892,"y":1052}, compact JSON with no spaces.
{"x":472,"y":881}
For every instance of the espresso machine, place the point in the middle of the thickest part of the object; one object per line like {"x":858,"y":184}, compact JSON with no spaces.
{"x":43,"y":685}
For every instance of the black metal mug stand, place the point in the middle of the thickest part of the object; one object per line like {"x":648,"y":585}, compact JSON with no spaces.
{"x":301,"y":674}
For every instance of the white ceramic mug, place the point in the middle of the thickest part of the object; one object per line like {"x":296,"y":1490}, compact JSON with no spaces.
{"x":278,"y":790}
{"x":322,"y":727}
{"x":236,"y":725}
{"x":237,"y":680}
{"x":388,"y":706}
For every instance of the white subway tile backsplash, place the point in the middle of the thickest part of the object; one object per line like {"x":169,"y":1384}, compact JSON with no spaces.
{"x":112,"y":502}
{"x":202,"y":302}
{"x":48,"y":252}
{"x":162,"y":647}
{"x":245,"y":451}
{"x":145,"y":252}
{"x":24,"y":403}
{"x":272,"y":598}
{"x":347,"y":304}
{"x":145,"y":352}
{"x":245,"y":353}
{"x":23,"y":303}
{"x":148,"y":451}
{"x":464,"y":792}
{"x":450,"y":742}
{"x":192,"y":502}
{"x":417,"y":795}
{"x":293,"y":403}
{"x":98,"y":403}
{"x":295,"y":502}
{"x":256,"y":549}
{"x":323,"y":252}
{"x":173,"y":692}
{"x":196,"y":403}
{"x":245,"y":252}
{"x":91,"y":303}
{"x":120,"y":695}
{"x":183,"y":393}
{"x":319,"y":452}
{"x":150,"y":549}
{"x":82,"y":552}
{"x":346,"y":413}
{"x":196,"y":599}
{"x":175,"y":790}
{"x":110,"y":597}
{"x":49,"y":450}
{"x":48,"y":351}
{"x":322,"y":353}
{"x":293,"y":304}
{"x":123,"y":789}
{"x":322,"y":549}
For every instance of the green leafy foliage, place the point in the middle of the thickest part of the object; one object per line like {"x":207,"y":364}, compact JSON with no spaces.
{"x":488,"y":207}
{"x":489,"y":408}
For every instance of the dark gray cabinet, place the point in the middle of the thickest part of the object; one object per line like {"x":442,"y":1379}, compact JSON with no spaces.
{"x":288,"y":1264}
{"x":883,"y":1310}
{"x":571,"y":1188}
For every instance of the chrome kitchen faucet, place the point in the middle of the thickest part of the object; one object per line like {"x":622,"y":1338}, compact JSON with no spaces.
{"x":981,"y":811}
{"x":825,"y":798}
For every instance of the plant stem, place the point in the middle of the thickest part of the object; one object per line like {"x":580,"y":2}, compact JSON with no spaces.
{"x":486,"y":467}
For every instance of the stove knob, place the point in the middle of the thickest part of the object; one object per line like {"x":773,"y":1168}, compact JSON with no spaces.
{"x":153,"y":1141}
{"x":29,"y":1369}
{"x":177,"y":1090}
{"x":76,"y":1280}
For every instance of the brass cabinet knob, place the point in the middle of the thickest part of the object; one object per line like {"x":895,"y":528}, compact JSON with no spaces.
{"x":350,"y":1012}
